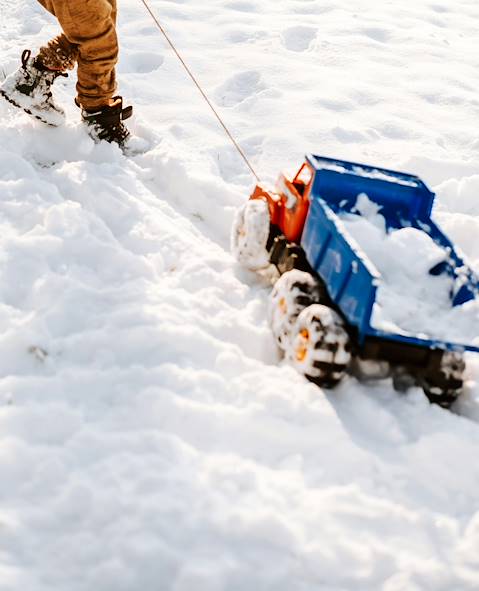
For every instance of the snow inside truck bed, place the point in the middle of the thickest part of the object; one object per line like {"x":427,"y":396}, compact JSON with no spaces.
{"x":409,"y":300}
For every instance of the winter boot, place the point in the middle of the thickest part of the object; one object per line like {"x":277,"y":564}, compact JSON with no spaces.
{"x":29,"y":88}
{"x":106,"y":123}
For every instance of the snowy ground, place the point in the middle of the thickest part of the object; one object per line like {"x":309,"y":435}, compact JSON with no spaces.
{"x":150,"y":437}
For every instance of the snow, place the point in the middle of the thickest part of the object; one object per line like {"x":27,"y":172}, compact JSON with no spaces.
{"x":409,"y":300}
{"x":366,"y":173}
{"x":150,"y":435}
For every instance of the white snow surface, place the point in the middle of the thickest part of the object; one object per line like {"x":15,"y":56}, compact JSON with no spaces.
{"x":150,"y":436}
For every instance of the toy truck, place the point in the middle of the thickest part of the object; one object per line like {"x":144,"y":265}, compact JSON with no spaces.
{"x":321,"y":306}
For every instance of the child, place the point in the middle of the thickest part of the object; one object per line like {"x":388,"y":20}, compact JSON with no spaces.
{"x":88,"y":39}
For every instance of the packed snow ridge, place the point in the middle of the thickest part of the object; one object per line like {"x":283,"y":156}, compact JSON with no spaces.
{"x":150,"y":436}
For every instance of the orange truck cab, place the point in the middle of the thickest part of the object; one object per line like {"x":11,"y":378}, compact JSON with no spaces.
{"x":289,"y":203}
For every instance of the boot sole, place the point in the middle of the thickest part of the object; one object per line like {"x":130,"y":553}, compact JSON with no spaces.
{"x":12,"y":102}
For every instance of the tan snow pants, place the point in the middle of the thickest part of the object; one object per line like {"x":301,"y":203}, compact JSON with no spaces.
{"x":89,"y":38}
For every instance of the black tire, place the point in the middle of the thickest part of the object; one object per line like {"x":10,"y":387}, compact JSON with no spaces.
{"x":320,"y":347}
{"x":445,"y":385}
{"x":294,"y":291}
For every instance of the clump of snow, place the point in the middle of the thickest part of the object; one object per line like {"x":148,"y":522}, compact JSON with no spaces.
{"x":249,"y":234}
{"x":409,"y":299}
{"x":370,"y":210}
{"x":383,"y":175}
{"x":373,"y":173}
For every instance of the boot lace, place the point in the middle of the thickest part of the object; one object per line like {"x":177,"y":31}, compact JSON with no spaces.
{"x":38,"y":78}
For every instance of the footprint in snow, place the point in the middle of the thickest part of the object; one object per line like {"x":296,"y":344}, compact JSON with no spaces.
{"x":439,"y":8}
{"x":395,"y":131}
{"x":141,"y":63}
{"x":348,"y":136}
{"x":239,"y":87}
{"x":242,"y":6}
{"x":340,"y":105}
{"x":377,"y":34}
{"x":298,"y":38}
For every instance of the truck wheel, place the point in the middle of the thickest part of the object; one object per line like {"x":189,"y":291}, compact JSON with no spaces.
{"x":294,"y":291}
{"x":403,"y":379}
{"x":249,"y":234}
{"x":445,"y":385}
{"x":320,"y":345}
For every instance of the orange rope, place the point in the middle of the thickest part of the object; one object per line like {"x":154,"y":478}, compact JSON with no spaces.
{"x":198,"y":86}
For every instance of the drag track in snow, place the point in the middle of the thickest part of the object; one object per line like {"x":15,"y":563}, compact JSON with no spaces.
{"x":150,"y":435}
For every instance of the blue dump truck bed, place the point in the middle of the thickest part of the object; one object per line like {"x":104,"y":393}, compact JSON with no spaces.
{"x":350,"y":277}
